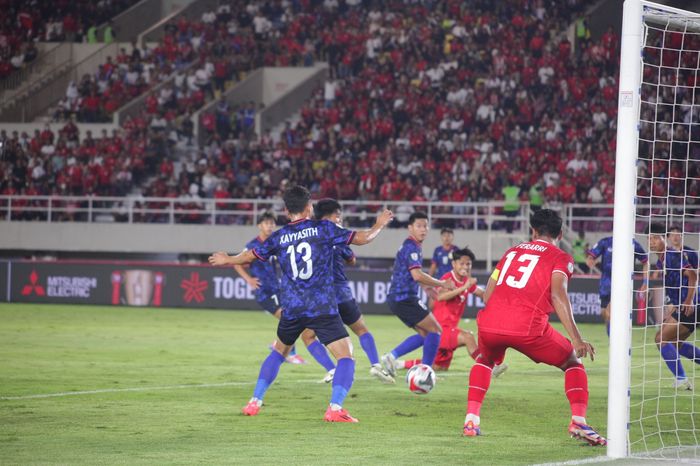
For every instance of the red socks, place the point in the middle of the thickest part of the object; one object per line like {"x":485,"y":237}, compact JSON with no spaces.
{"x":479,"y":381}
{"x":576,"y":387}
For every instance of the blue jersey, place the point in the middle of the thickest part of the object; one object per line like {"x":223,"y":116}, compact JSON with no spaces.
{"x":265,"y":272}
{"x":603,"y":249}
{"x":441,"y":258}
{"x":409,"y":257}
{"x":674,"y":263}
{"x":304,"y":250}
{"x":341,"y":254}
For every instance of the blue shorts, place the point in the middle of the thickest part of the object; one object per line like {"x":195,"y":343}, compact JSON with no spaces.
{"x":690,"y":322}
{"x":410,"y":311}
{"x":604,"y":300}
{"x":328,"y":328}
{"x":270,"y":304}
{"x":349,"y":312}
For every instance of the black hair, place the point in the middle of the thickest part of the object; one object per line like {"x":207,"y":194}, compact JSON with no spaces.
{"x":446,"y":230}
{"x":457,"y":254}
{"x":326,"y":207}
{"x":546,"y":222}
{"x":674,"y":229}
{"x":416,"y":216}
{"x":296,"y":199}
{"x":656,"y":229}
{"x":266,"y":216}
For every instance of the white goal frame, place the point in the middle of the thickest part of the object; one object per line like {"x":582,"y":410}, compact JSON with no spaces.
{"x":624,"y":220}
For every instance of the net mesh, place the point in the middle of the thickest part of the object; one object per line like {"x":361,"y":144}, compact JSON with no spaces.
{"x":664,"y":421}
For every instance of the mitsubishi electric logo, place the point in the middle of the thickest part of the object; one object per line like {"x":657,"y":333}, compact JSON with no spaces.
{"x":33,"y":286}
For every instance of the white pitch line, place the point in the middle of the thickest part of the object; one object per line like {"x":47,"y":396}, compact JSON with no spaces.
{"x":596,"y":459}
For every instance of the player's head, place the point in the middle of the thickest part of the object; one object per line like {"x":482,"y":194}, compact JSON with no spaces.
{"x":657,"y":237}
{"x":297,"y":201}
{"x":418,"y":225}
{"x":546,"y":224}
{"x":462,"y":261}
{"x":328,"y":209}
{"x":675,"y":237}
{"x":266,"y":223}
{"x":447,"y":236}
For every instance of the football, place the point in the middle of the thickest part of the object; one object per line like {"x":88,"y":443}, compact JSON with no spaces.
{"x":420,"y":379}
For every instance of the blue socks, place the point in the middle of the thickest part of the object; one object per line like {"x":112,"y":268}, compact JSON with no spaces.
{"x":268,"y":372}
{"x":318,"y":351}
{"x":409,"y":344}
{"x":670,"y":356}
{"x":342,"y":380}
{"x":370,"y":348}
{"x":691,"y":352}
{"x":607,"y":328}
{"x":430,"y":348}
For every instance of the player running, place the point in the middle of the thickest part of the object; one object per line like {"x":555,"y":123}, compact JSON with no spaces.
{"x":680,"y":268}
{"x":403,"y":297}
{"x":304,"y":248}
{"x":603,"y":250}
{"x":528,"y":283}
{"x":449,"y":308}
{"x":266,"y":287}
{"x":329,"y":209}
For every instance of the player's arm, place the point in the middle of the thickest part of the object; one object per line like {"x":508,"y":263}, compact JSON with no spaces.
{"x":432,"y":269}
{"x":425,"y":279}
{"x":221,"y":258}
{"x":445,"y":295}
{"x":351,"y":261}
{"x":645,"y":274}
{"x":367,"y":236}
{"x":479,"y":292}
{"x":562,"y":306}
{"x":591,"y":261}
{"x":249,"y":279}
{"x":688,"y":307}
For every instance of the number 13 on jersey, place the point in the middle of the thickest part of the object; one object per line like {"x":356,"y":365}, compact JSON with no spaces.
{"x":304,"y":251}
{"x":529,"y":262}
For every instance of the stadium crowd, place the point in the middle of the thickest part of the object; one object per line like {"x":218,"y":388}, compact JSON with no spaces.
{"x":430,"y":101}
{"x":22,"y":23}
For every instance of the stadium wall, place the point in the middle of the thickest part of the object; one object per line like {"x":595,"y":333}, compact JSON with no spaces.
{"x":143,"y":284}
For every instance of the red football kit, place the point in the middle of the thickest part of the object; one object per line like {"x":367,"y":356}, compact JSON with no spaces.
{"x":448,"y":314}
{"x":517,"y":313}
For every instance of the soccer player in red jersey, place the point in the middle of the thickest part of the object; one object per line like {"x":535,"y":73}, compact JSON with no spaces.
{"x":529,"y":282}
{"x":449,"y":307}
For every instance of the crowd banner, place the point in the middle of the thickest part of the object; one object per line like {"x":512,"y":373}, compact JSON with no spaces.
{"x":202,"y":286}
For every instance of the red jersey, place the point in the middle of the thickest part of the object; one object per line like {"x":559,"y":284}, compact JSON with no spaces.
{"x":521,"y":301}
{"x":449,"y":312}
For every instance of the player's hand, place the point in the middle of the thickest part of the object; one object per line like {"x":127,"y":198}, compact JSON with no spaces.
{"x":643,"y":288}
{"x":254,"y":283}
{"x":687,"y":309}
{"x":218,"y":258}
{"x":385,"y":218}
{"x":471,"y":282}
{"x":447,"y":285}
{"x":583,"y":349}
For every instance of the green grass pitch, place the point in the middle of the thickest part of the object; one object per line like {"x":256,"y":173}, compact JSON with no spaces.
{"x":165,"y":386}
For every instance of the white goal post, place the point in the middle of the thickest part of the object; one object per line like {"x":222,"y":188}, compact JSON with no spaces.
{"x":637,"y":17}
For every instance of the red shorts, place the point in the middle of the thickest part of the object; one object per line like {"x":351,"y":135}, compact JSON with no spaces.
{"x":551,"y":348}
{"x":448,"y":344}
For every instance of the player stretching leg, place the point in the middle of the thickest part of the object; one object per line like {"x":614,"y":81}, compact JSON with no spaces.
{"x":449,"y":308}
{"x":517,"y":316}
{"x":304,"y":249}
{"x":681,"y":318}
{"x":329,"y":209}
{"x":603,"y":250}
{"x":403,"y":297}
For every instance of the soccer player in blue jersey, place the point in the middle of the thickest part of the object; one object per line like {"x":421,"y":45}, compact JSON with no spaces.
{"x":675,"y":239}
{"x":330,"y":209}
{"x":266,"y":287}
{"x":680,"y":271}
{"x":441,"y":262}
{"x":403,"y":297}
{"x":304,"y":249}
{"x":602,"y":251}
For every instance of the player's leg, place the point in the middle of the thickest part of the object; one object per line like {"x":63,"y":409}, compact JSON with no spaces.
{"x":686,"y":328}
{"x":466,"y":338}
{"x":351,"y":316}
{"x":271,"y":306}
{"x":605,"y":311}
{"x":319,"y":353}
{"x":554,"y":349}
{"x":491,"y":349}
{"x":667,"y":341}
{"x":431,"y":330}
{"x":450,"y":339}
{"x":287,"y":333}
{"x":410,"y":313}
{"x":332,"y":333}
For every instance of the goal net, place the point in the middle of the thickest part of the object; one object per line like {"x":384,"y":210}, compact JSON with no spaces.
{"x":652,"y":408}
